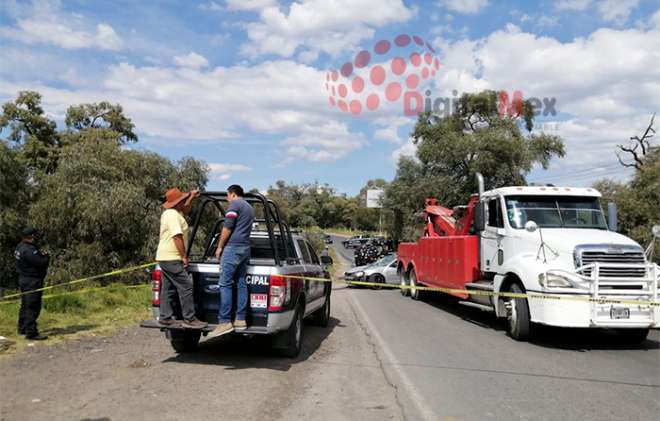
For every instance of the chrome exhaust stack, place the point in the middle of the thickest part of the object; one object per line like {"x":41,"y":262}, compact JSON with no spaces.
{"x":480,"y":182}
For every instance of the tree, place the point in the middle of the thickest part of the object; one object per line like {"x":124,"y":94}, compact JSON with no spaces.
{"x":638,"y":148}
{"x":100,"y":209}
{"x":31,"y":131}
{"x":13,"y":208}
{"x":475,"y":138}
{"x":638,"y":202}
{"x":102,"y":115}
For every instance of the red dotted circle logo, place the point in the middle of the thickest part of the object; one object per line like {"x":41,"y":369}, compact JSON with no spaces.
{"x":386,"y":73}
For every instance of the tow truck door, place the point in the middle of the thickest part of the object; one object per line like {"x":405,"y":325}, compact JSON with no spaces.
{"x":492,"y":252}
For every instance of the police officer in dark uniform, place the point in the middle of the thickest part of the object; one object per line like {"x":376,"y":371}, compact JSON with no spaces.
{"x":32,"y":265}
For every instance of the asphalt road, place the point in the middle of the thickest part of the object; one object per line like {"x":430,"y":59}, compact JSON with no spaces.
{"x":383,"y":357}
{"x":135,"y":375}
{"x":454,"y":362}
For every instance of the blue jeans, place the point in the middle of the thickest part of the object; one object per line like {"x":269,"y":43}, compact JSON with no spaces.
{"x":233,"y":266}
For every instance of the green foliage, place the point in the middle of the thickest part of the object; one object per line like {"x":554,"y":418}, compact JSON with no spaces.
{"x":313,"y":204}
{"x":100,"y":310}
{"x":107,"y":202}
{"x":13,"y":207}
{"x":31,"y":131}
{"x":452,"y":150}
{"x":638,"y":202}
{"x":102,"y":115}
{"x":97,"y":202}
{"x":315,"y":237}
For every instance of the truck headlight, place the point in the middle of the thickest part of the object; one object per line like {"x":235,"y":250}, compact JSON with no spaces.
{"x":555,"y":280}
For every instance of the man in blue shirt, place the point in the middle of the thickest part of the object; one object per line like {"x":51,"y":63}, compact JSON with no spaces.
{"x":234,"y":253}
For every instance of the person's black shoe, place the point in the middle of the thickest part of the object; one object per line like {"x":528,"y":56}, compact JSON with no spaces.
{"x":21,"y":332}
{"x":37,"y":337}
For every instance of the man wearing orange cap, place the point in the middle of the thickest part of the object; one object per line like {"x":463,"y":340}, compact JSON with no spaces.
{"x":173,"y":261}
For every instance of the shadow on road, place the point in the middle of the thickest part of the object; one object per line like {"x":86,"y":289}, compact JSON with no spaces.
{"x":236,"y":352}
{"x":544,"y":336}
{"x":68,"y":330}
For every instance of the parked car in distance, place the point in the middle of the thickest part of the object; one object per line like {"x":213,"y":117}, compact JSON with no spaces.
{"x":356,"y":241}
{"x":381,"y":272}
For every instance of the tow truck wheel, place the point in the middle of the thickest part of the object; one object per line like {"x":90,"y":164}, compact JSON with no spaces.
{"x":632,"y":336}
{"x":404,"y":283}
{"x":519,"y":323}
{"x":294,"y":335}
{"x":184,"y":340}
{"x":415,"y":293}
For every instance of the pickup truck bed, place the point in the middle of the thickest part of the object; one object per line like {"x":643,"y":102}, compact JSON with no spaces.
{"x":277,"y":304}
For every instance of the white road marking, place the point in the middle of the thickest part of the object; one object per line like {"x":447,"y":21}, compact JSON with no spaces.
{"x":422,"y":407}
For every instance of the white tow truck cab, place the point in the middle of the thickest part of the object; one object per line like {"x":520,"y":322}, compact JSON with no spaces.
{"x":555,"y":241}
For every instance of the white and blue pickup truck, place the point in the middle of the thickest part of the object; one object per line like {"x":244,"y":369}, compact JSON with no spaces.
{"x":278,"y":299}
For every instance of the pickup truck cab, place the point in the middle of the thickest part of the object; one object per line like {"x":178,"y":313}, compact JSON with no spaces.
{"x":278,"y":299}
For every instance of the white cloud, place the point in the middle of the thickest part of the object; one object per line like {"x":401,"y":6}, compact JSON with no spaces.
{"x":225,"y":171}
{"x":389,"y":130}
{"x":191,"y":60}
{"x":607,"y":83}
{"x":249,"y":4}
{"x":655,"y":20}
{"x":465,"y":6}
{"x":545,"y":21}
{"x":616,"y":11}
{"x":282,"y":98}
{"x":62,"y":32}
{"x":211,"y":6}
{"x":408,"y":149}
{"x":327,"y":142}
{"x":330,"y":26}
{"x":575,"y":5}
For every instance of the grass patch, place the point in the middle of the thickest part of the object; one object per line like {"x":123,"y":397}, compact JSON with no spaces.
{"x":85,"y":312}
{"x":347,"y":232}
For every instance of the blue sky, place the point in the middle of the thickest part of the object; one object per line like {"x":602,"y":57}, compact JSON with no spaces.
{"x":240,"y":84}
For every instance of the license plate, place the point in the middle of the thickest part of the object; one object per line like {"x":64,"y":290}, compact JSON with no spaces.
{"x":619,"y":313}
{"x":258,"y":300}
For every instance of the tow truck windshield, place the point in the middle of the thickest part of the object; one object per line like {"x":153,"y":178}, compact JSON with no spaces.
{"x":555,"y":212}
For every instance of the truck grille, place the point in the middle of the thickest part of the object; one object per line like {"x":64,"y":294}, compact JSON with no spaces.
{"x":616,"y":256}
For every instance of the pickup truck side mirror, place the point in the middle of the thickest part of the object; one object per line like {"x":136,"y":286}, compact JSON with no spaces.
{"x":479,"y":222}
{"x":326,"y":260}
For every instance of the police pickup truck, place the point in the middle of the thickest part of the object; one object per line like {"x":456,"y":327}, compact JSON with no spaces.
{"x":278,"y":299}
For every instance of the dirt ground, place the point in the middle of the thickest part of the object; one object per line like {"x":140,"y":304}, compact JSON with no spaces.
{"x":134,"y":374}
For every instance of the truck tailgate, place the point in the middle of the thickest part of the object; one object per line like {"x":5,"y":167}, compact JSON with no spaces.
{"x":207,"y":293}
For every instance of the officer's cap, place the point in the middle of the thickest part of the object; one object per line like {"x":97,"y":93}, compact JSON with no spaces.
{"x":30,"y":232}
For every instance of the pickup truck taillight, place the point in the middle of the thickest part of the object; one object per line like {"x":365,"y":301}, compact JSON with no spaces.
{"x":156,"y":276}
{"x":280,"y":293}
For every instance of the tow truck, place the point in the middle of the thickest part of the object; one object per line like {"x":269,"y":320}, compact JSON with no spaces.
{"x":278,"y":298}
{"x":545,"y":240}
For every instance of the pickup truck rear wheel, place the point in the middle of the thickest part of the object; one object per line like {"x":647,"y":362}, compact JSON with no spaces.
{"x":519,"y":321}
{"x":294,"y":335}
{"x":321,"y":316}
{"x":184,"y":340}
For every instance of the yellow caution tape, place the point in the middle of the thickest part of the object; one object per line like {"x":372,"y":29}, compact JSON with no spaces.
{"x":78,"y":281}
{"x":505,"y":294}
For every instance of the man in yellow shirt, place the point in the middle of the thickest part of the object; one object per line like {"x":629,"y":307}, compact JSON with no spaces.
{"x":173,"y":261}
